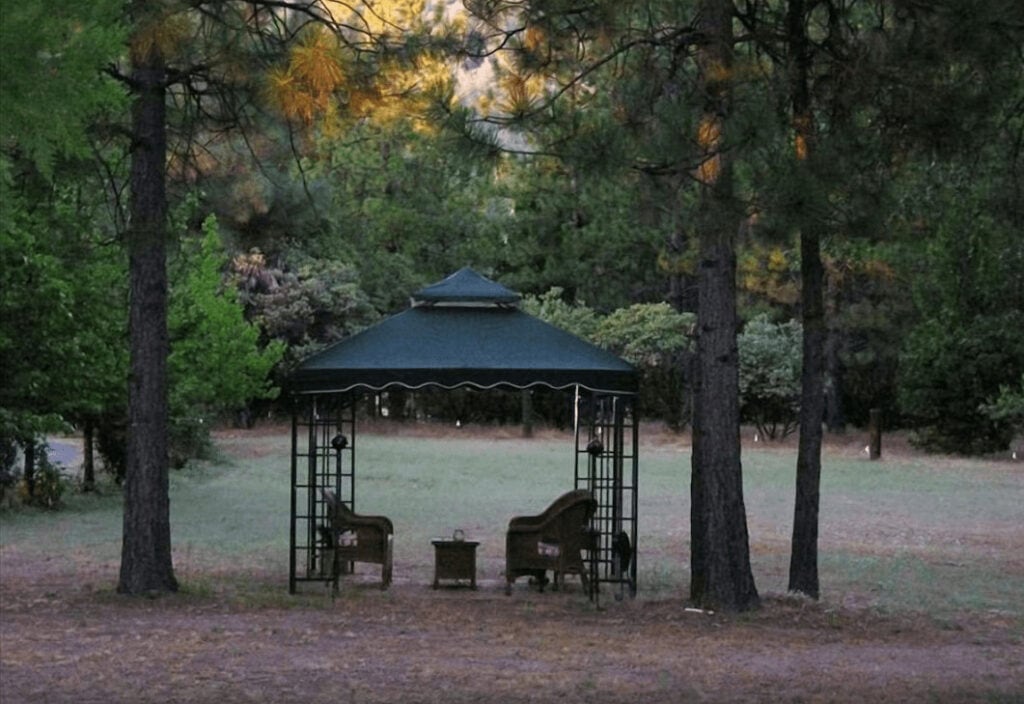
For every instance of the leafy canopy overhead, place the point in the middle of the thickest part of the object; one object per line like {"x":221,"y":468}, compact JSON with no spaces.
{"x":51,"y":80}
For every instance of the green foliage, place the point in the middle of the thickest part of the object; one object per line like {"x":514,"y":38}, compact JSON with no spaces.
{"x":597,"y":236}
{"x":651,"y":336}
{"x":62,"y":344}
{"x":770,"y":355}
{"x":49,"y":484}
{"x":35,"y":304}
{"x":216,"y":363}
{"x":657,"y":340}
{"x":400,"y":209}
{"x":949,"y":372}
{"x":307,"y":305}
{"x":551,"y":307}
{"x":51,"y":85}
{"x":1008,"y":406}
{"x":969,"y":290}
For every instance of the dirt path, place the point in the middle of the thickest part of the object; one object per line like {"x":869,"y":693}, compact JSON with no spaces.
{"x":61,"y":640}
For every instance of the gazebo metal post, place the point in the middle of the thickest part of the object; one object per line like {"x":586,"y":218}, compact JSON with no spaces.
{"x":635,"y":504}
{"x":294,"y":499}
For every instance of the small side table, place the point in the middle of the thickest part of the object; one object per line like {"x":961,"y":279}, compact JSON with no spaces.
{"x":455,"y":559}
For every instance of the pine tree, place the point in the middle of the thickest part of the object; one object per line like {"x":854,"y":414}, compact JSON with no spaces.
{"x":198,"y":58}
{"x":720,"y":570}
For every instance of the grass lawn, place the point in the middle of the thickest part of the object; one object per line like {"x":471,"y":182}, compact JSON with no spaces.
{"x":928,"y":547}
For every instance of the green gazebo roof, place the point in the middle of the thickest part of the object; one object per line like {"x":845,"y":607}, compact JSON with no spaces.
{"x":463,"y":331}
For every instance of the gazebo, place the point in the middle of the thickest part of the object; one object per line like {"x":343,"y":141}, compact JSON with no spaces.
{"x":466,"y":331}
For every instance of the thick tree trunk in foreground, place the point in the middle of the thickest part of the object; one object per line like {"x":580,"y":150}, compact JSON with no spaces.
{"x":720,"y":554}
{"x":146,"y":549}
{"x":803,"y":564}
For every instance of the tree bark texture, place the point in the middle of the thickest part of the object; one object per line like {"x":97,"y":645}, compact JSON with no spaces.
{"x":28,"y":447}
{"x":803,"y":564}
{"x":146,"y":565}
{"x":720,"y":554}
{"x":88,"y":456}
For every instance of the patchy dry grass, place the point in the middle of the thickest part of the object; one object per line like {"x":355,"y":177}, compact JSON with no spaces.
{"x":922,"y":567}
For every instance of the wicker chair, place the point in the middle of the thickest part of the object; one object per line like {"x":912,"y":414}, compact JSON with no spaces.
{"x":553,"y":540}
{"x":352,"y":537}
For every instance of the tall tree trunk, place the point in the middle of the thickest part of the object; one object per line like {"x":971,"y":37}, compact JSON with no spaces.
{"x":146,"y":549}
{"x":720,"y":554}
{"x":29,"y":446}
{"x":88,"y":456}
{"x":803,"y":564}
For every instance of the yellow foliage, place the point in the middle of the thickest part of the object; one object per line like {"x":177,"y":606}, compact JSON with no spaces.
{"x":777,"y":261}
{"x":159,"y":34}
{"x":880,"y":269}
{"x":316,"y":63}
{"x":318,"y":86}
{"x":519,"y":96}
{"x":717,"y":72}
{"x":533,"y":38}
{"x":800,"y":147}
{"x":378,"y":17}
{"x":304,"y":89}
{"x":709,"y":135}
{"x":768,"y":273}
{"x":677,"y":263}
{"x":802,"y":125}
{"x":709,"y":132}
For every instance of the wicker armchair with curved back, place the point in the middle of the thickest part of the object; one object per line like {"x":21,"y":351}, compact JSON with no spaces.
{"x":357,"y":538}
{"x":553,"y":540}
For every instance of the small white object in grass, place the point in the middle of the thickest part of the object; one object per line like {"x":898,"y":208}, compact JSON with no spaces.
{"x":458,"y":424}
{"x":757,"y":437}
{"x":867,"y":449}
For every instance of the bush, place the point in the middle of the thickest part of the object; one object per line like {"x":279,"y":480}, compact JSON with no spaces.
{"x":1008,"y":406}
{"x":655,"y":338}
{"x":189,"y":438}
{"x":49,"y":484}
{"x":552,"y":308}
{"x":950,"y":371}
{"x":770,"y":359}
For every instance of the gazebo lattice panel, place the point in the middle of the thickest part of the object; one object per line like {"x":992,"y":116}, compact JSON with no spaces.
{"x":323,"y":458}
{"x":607,"y":465}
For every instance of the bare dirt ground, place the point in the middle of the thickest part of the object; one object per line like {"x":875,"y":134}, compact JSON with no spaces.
{"x":65,"y":637}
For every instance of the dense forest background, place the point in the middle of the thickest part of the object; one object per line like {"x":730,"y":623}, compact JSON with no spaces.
{"x":317,"y":173}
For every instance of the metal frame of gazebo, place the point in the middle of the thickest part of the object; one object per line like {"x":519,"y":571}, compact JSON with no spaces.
{"x":465,"y":332}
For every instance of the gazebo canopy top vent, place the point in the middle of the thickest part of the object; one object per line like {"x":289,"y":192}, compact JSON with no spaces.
{"x":465,"y":330}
